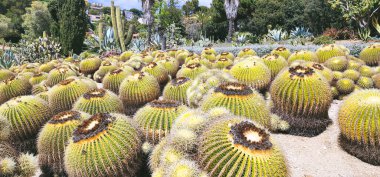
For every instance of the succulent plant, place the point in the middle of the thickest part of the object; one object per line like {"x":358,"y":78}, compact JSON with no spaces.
{"x":227,"y":55}
{"x":324,"y":71}
{"x":304,"y":55}
{"x":176,"y":89}
{"x":191,"y":70}
{"x":7,"y":166}
{"x":371,"y":54}
{"x":275,"y":63}
{"x":63,"y":95}
{"x":155,"y":156}
{"x":53,"y":137}
{"x":137,"y":90}
{"x":358,"y":122}
{"x":352,"y":64}
{"x":89,"y":65}
{"x":328,"y":51}
{"x":345,"y":85}
{"x":376,"y":80}
{"x":252,"y":73}
{"x":26,"y":115}
{"x":27,"y":164}
{"x":302,"y":97}
{"x":6,"y":74}
{"x":282,"y":51}
{"x":209,"y":56}
{"x":184,"y":168}
{"x":59,"y":74}
{"x":13,"y":87}
{"x":99,"y":101}
{"x":46,"y":67}
{"x":7,"y":150}
{"x":37,"y":78}
{"x":221,"y":63}
{"x":338,"y":63}
{"x":5,"y":129}
{"x":155,"y":118}
{"x":365,"y":82}
{"x":111,"y":141}
{"x":205,"y":82}
{"x":241,"y":146}
{"x":247,"y":52}
{"x":105,"y":68}
{"x":351,"y":74}
{"x":126,"y":55}
{"x":366,"y":71}
{"x":241,"y":100}
{"x":170,"y":64}
{"x":113,"y":79}
{"x":158,"y":71}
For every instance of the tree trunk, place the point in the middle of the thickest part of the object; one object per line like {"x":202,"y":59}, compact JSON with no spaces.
{"x":149,"y":34}
{"x":230,"y":30}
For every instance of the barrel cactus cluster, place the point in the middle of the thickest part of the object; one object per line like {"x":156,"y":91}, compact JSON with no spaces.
{"x":183,"y":113}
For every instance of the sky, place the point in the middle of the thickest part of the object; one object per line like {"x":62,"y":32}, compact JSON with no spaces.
{"x":128,"y":4}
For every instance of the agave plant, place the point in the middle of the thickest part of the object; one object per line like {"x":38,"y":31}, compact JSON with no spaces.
{"x":8,"y":59}
{"x":138,"y":44}
{"x":364,"y":34}
{"x":277,"y":34}
{"x":300,"y":32}
{"x":108,"y":43}
{"x":376,"y":25}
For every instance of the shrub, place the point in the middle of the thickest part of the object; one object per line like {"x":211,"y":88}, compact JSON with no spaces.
{"x":321,"y":40}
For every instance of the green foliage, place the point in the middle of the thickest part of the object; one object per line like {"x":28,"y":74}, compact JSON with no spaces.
{"x":321,"y":40}
{"x":72,"y":25}
{"x":191,"y":7}
{"x":36,"y":20}
{"x":40,"y":50}
{"x":364,"y":34}
{"x":8,"y":59}
{"x":4,"y":25}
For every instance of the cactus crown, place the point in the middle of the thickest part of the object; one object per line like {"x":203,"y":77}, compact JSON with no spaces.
{"x":164,"y":104}
{"x":93,"y":126}
{"x":151,"y":65}
{"x":62,"y":70}
{"x":318,"y":66}
{"x":117,"y":71}
{"x":180,"y":80}
{"x":250,"y":136}
{"x":246,"y":49}
{"x":300,"y":71}
{"x":271,"y":57}
{"x":193,"y":65}
{"x":224,"y":53}
{"x":281,"y":49}
{"x":66,"y":82}
{"x":95,"y":93}
{"x":38,"y":74}
{"x":107,"y":63}
{"x":138,"y":75}
{"x":234,"y":89}
{"x":223,"y":59}
{"x":10,"y":79}
{"x":65,"y":116}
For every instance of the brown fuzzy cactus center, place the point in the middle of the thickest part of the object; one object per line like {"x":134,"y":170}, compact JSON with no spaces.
{"x":234,"y":89}
{"x":164,"y":104}
{"x":138,"y":75}
{"x":271,"y":57}
{"x":180,"y":80}
{"x":223,"y":59}
{"x":10,"y":79}
{"x":301,"y":71}
{"x":193,"y":66}
{"x":96,"y":93}
{"x":318,"y":66}
{"x":66,"y":82}
{"x":39,"y":74}
{"x":250,"y":136}
{"x":63,"y":117}
{"x":280,"y":49}
{"x":117,"y":71}
{"x":107,"y":63}
{"x":92,"y":127}
{"x":62,"y":70}
{"x":224,"y":53}
{"x":246,"y":49}
{"x":151,"y":65}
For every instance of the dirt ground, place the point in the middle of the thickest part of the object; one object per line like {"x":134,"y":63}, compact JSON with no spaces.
{"x":321,"y":156}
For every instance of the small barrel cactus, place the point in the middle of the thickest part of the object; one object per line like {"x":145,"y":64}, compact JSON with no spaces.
{"x":99,"y":101}
{"x":176,"y":89}
{"x":253,"y":73}
{"x":371,"y":54}
{"x":12,"y":87}
{"x":113,"y":79}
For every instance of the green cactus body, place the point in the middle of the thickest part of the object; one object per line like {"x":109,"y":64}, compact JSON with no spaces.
{"x":328,"y":51}
{"x":59,"y":74}
{"x":282,"y":51}
{"x":247,"y":52}
{"x":366,"y":71}
{"x":126,"y":55}
{"x":351,"y":74}
{"x":241,"y":100}
{"x":6,"y":150}
{"x":155,"y":119}
{"x":170,"y":64}
{"x":176,"y":89}
{"x":208,"y":50}
{"x":6,"y":74}
{"x":239,"y":147}
{"x":275,"y":63}
{"x":222,"y":63}
{"x":46,"y":67}
{"x":158,"y":71}
{"x":105,"y":68}
{"x":26,"y":115}
{"x":63,"y":95}
{"x":99,"y":101}
{"x":359,"y":120}
{"x":137,"y":90}
{"x":325,"y":72}
{"x":339,"y":63}
{"x":228,"y":55}
{"x":253,"y":73}
{"x":376,"y":80}
{"x":13,"y":87}
{"x":90,"y":65}
{"x":304,"y":55}
{"x":37,"y":78}
{"x":53,"y":137}
{"x":302,"y":97}
{"x":104,"y":145}
{"x":371,"y":54}
{"x":113,"y":79}
{"x":365,"y":82}
{"x":192,"y":70}
{"x":345,"y":85}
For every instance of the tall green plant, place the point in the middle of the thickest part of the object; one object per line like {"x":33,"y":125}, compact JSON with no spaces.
{"x":123,"y":39}
{"x":72,"y":25}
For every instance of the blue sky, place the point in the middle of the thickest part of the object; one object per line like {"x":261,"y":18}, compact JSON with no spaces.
{"x":128,"y":4}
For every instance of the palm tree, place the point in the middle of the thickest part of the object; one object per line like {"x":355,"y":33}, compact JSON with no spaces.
{"x":231,"y":7}
{"x":148,"y":16}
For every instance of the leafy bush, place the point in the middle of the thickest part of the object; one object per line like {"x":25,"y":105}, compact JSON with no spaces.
{"x":41,"y":50}
{"x":344,"y":33}
{"x":321,"y":40}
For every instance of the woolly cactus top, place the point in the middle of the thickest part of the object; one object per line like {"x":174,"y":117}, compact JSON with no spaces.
{"x":115,"y":72}
{"x":92,"y":127}
{"x":9,"y":80}
{"x":67,"y":81}
{"x":246,"y":49}
{"x":271,"y":57}
{"x":164,"y":104}
{"x":248,"y":135}
{"x":280,"y":49}
{"x":95,"y":93}
{"x":65,"y":116}
{"x":180,"y":80}
{"x":193,"y":65}
{"x":301,"y":71}
{"x":318,"y":66}
{"x":223,"y":59}
{"x":137,"y":76}
{"x":151,"y":65}
{"x":234,"y":89}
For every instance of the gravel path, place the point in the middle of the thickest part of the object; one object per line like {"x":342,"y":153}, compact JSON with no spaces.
{"x":321,"y":156}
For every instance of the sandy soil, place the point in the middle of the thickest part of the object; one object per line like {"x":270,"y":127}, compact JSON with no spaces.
{"x":321,"y":156}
